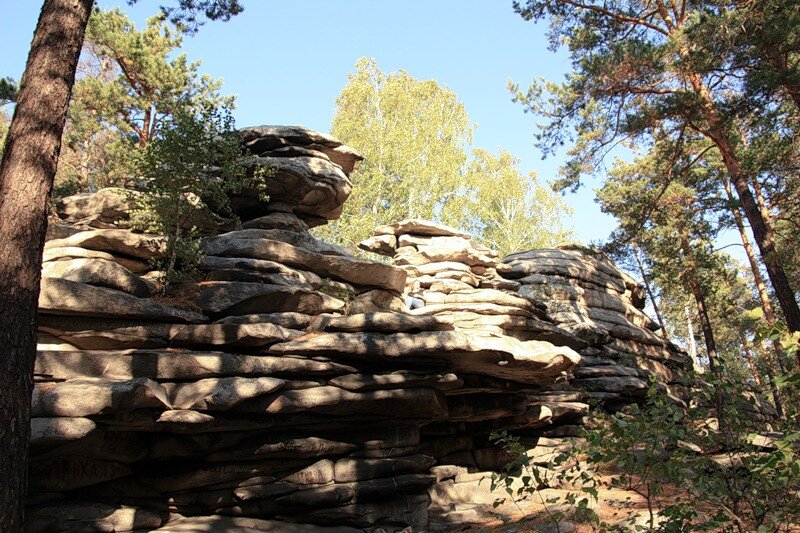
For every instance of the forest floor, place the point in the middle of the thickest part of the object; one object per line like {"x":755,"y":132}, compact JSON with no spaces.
{"x":626,"y":509}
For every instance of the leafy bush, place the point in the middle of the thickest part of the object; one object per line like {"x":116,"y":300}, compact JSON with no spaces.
{"x":195,"y":160}
{"x":710,"y":466}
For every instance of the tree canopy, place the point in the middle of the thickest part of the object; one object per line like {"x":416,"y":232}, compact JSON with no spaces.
{"x":130,"y":83}
{"x":416,"y":137}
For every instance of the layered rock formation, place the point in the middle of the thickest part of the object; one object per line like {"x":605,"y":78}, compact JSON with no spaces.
{"x":297,"y":383}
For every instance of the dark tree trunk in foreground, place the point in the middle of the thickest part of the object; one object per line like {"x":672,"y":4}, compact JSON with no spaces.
{"x":26,"y":179}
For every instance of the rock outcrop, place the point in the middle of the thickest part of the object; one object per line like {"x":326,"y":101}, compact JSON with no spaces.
{"x":300,"y":384}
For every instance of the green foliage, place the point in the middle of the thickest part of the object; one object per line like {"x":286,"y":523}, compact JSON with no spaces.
{"x":8,"y":91}
{"x":521,"y":480}
{"x":189,"y":13}
{"x":702,"y":467}
{"x":415,"y":136}
{"x":129,"y":86}
{"x":196,"y":160}
{"x":505,"y":209}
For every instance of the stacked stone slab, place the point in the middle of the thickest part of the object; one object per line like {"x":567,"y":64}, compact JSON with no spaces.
{"x":564,"y":297}
{"x":291,"y":385}
{"x":587,"y":295}
{"x":451,"y":276}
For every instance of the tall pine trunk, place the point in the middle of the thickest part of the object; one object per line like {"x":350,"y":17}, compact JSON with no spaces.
{"x":759,"y":224}
{"x":761,"y":288}
{"x":26,"y":179}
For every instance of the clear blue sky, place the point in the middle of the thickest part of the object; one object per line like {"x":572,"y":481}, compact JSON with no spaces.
{"x":288,"y":60}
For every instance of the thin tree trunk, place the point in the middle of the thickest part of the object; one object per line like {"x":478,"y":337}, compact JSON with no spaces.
{"x":751,"y":361}
{"x":705,"y":326}
{"x":26,"y":179}
{"x":692,"y":345}
{"x":649,"y":291}
{"x":777,"y":395}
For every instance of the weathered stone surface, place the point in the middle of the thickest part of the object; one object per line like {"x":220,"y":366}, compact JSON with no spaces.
{"x":522,"y":327}
{"x":385,"y":322}
{"x":575,"y":266}
{"x":239,"y":298}
{"x":115,"y":241}
{"x":348,"y":269}
{"x":60,"y":296}
{"x":68,"y":253}
{"x":419,"y":227}
{"x":302,"y":240}
{"x":105,"y":445}
{"x":445,"y":286}
{"x":87,"y":396}
{"x":320,"y":497}
{"x":379,"y":244}
{"x":284,"y":221}
{"x":592,"y":260}
{"x":183,"y":419}
{"x":438,"y":249}
{"x":492,"y":296}
{"x":319,"y":473}
{"x":259,"y":447}
{"x":290,"y":320}
{"x":213,"y":264}
{"x":258,"y":139}
{"x":412,"y":402}
{"x":408,"y":511}
{"x":286,"y":429}
{"x":472,"y":307}
{"x":58,"y":430}
{"x":67,"y":472}
{"x":182,"y":365}
{"x":77,"y":516}
{"x":362,"y":469}
{"x":396,"y":380}
{"x":529,"y":361}
{"x":198,"y":475}
{"x":107,"y":206}
{"x":219,"y":394}
{"x":308,"y":185}
{"x":99,"y":272}
{"x":233,"y":335}
{"x":624,"y":384}
{"x":59,"y":231}
{"x":376,"y":301}
{"x":239,"y":524}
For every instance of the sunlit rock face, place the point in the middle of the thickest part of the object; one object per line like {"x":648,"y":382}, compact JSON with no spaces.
{"x":300,"y":384}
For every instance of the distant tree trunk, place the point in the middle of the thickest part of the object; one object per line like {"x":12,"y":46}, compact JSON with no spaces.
{"x":26,"y":179}
{"x":692,"y":345}
{"x":777,"y":395}
{"x":751,"y":361}
{"x":649,"y":290}
{"x":705,"y":325}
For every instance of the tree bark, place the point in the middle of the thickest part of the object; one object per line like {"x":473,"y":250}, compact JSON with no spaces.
{"x":762,"y":229}
{"x":26,"y":179}
{"x":761,"y":288}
